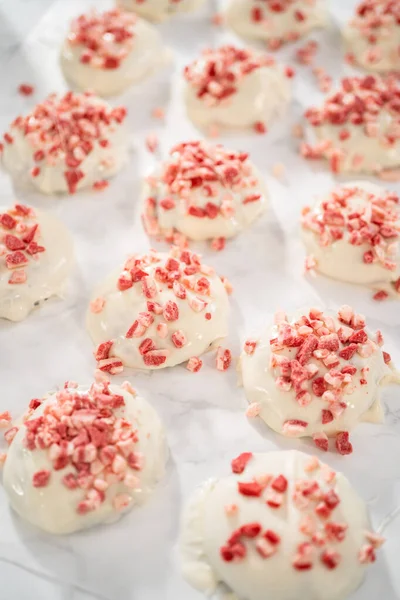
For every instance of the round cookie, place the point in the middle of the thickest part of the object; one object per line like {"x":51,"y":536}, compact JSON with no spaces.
{"x":276,"y":22}
{"x":108,"y":52}
{"x":160,"y":310}
{"x":203,"y":192}
{"x":281,"y":522}
{"x":67,"y":143}
{"x":352,"y":235}
{"x":372,"y":37}
{"x":316,"y":375}
{"x":83,"y":457}
{"x":358,"y":126}
{"x":234,"y":88}
{"x":159,"y":10}
{"x":36,"y":258}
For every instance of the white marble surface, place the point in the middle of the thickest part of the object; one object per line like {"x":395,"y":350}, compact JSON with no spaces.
{"x":203,"y":413}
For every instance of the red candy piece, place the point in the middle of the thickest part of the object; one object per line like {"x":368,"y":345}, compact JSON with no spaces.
{"x":239,"y":464}
{"x":343,"y":444}
{"x":252,"y":488}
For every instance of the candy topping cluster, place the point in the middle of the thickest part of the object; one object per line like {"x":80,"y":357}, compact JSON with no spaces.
{"x":359,"y":102}
{"x":218,"y":73}
{"x":84,"y":433}
{"x":66,"y":130}
{"x":315,"y":498}
{"x":106,"y":38}
{"x":19,"y":234}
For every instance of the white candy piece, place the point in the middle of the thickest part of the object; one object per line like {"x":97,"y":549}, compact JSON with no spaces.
{"x":155,"y":315}
{"x":228,"y":197}
{"x":59,"y":153}
{"x":56,"y":508}
{"x":372,"y":36}
{"x":297,"y":565}
{"x":255,"y":19}
{"x":257,"y":94}
{"x":360,"y":262}
{"x":128,"y":50}
{"x":303,"y":393}
{"x":159,"y":10}
{"x":29,"y":277}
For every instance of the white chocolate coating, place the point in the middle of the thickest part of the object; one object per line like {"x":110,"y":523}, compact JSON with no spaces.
{"x":260,"y":96}
{"x":234,"y":213}
{"x":102,"y":162}
{"x":143,"y":58}
{"x":279,"y":26}
{"x":278,"y":406}
{"x":373,"y":38}
{"x":53,"y":508}
{"x":344,"y":261}
{"x":46,"y":271}
{"x":206,"y":527}
{"x":122,"y":309}
{"x":159,"y":10}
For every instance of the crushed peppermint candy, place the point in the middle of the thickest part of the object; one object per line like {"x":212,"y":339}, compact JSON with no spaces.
{"x":86,"y":435}
{"x":305,"y":54}
{"x":315,"y":495}
{"x":200,"y":181}
{"x":65,"y":130}
{"x":217,"y":19}
{"x":240,"y":462}
{"x":26,"y":89}
{"x":216,"y":76}
{"x":360,"y":218}
{"x":158,"y":113}
{"x":5,"y":419}
{"x":381,"y":295}
{"x":253,"y":410}
{"x":324,"y":80}
{"x":361,"y":103}
{"x":105,"y":38}
{"x":223,"y":359}
{"x":194,"y":364}
{"x":152,"y":142}
{"x":20,"y":242}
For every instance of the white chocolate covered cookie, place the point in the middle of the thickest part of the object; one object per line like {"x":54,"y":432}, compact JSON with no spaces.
{"x":281,"y":524}
{"x":108,"y":52}
{"x":83,"y":457}
{"x":372,"y":37}
{"x":36,"y":257}
{"x":234,"y":88}
{"x":67,"y":143}
{"x":316,"y":375}
{"x":160,"y":310}
{"x":203,"y":192}
{"x":358,"y":126}
{"x":352,"y":235}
